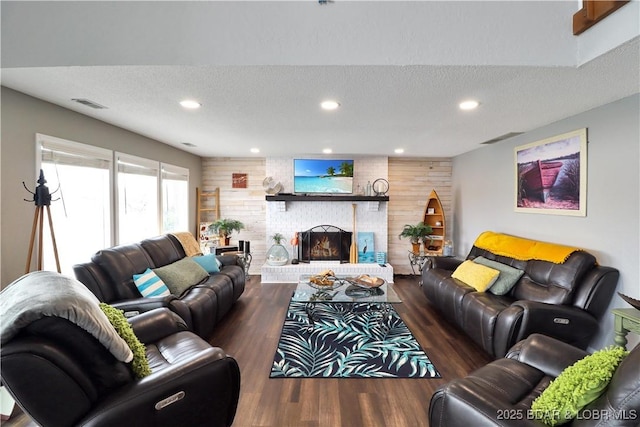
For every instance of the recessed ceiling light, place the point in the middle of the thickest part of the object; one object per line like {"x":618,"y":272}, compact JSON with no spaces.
{"x":190,"y":104}
{"x":329,"y":105}
{"x":327,"y":150}
{"x":399,"y":150}
{"x":469,"y":105}
{"x":255,"y":150}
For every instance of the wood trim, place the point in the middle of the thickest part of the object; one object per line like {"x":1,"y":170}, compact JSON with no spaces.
{"x":593,"y":12}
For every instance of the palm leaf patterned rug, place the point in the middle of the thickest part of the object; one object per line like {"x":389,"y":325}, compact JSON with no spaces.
{"x":348,"y":341}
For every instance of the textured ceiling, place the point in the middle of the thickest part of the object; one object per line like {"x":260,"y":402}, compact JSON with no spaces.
{"x":397,"y":68}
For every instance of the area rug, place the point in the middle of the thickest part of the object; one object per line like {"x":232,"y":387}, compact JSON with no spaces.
{"x":348,"y":341}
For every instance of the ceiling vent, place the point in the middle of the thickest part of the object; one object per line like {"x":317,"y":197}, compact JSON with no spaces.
{"x":502,"y":138}
{"x":188,"y":144}
{"x":89,"y":103}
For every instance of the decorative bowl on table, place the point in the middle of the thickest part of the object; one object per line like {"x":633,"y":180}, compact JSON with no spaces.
{"x":366,"y":281}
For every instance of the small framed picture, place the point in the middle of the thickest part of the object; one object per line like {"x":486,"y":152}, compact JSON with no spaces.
{"x":431,"y":211}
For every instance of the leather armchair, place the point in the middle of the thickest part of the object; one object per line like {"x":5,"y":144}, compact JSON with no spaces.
{"x":501,"y":393}
{"x":62,"y":376}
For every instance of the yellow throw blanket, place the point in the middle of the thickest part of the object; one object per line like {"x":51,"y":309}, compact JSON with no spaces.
{"x":189,"y":243}
{"x":523,"y":249}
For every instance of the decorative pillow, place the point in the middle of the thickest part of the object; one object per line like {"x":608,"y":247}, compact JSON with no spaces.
{"x":139,"y":364}
{"x":577,"y":386}
{"x":475,"y":275}
{"x":208,"y":262}
{"x":181,"y":275}
{"x":150,"y":285}
{"x":507,"y":278}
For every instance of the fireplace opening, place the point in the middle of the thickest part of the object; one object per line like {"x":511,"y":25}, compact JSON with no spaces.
{"x":324,"y":243}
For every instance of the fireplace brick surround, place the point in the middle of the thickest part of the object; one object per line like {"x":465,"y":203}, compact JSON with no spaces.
{"x":290,"y":217}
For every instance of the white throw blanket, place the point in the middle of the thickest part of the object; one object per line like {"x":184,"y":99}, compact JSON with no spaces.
{"x":45,"y":293}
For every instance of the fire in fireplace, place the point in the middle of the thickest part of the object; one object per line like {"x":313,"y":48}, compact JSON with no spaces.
{"x":324,"y":243}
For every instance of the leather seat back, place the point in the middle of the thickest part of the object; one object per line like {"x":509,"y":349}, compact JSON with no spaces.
{"x":164,"y":249}
{"x":545,"y":281}
{"x":120,"y":263}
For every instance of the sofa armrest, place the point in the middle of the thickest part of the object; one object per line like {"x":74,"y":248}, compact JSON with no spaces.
{"x":156,"y":324}
{"x":134,"y":307}
{"x":545,"y":353}
{"x":209,"y":381}
{"x":523,"y":318}
{"x":230,"y":259}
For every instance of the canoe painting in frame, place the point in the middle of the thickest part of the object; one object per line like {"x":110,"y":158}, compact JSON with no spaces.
{"x":551,"y":175}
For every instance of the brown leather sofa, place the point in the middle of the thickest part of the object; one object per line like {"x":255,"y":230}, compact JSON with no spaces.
{"x":501,"y":393}
{"x":60,"y":375}
{"x":563,"y":300}
{"x":109,"y":276}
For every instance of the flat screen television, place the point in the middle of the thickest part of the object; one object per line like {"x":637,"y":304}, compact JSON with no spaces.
{"x":322,"y":176}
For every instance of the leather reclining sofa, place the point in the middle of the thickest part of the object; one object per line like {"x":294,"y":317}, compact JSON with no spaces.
{"x":561,"y":300}
{"x":109,"y":276}
{"x":501,"y":393}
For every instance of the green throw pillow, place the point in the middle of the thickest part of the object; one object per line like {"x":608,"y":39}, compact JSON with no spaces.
{"x":577,"y":386}
{"x":139,"y":364}
{"x":508,"y":275}
{"x":181,"y":275}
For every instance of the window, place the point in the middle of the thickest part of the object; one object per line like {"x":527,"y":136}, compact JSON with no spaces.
{"x":79,"y":176}
{"x":150,"y":198}
{"x":594,"y":11}
{"x":175,"y":198}
{"x":138,"y":198}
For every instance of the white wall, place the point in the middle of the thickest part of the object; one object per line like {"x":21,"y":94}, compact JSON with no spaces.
{"x":483,"y":183}
{"x":22,"y":117}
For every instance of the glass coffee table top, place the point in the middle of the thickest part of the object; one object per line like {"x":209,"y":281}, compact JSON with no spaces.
{"x":343,"y":291}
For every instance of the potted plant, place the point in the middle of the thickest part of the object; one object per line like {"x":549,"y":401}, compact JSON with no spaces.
{"x":277,"y":254}
{"x":415,"y":233}
{"x":225,"y":227}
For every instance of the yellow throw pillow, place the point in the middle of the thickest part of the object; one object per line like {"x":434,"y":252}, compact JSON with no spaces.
{"x":477,"y":276}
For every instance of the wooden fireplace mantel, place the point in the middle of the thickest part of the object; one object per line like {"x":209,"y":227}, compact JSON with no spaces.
{"x":325,"y":198}
{"x":373,"y":202}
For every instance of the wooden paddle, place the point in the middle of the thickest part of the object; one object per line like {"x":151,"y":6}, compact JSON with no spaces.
{"x":353,"y":251}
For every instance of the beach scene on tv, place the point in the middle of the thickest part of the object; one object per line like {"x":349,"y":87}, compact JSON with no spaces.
{"x":322,"y":176}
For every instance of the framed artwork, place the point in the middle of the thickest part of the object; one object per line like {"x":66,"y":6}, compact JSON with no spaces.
{"x":239,"y":180}
{"x":366,"y":248}
{"x":551,"y":175}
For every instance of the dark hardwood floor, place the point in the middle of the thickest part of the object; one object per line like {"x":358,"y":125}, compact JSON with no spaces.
{"x":250,"y":333}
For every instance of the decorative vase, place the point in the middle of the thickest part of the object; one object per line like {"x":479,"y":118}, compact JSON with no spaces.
{"x":277,"y":255}
{"x":415,"y":247}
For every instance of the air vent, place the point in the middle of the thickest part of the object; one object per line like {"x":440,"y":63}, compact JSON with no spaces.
{"x":89,"y":103}
{"x":188,"y":144}
{"x":502,"y":138}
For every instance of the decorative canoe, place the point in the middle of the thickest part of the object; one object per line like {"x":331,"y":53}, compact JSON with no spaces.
{"x":538,"y":179}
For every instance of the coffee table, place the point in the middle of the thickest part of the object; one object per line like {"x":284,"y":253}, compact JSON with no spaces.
{"x":348,"y":296}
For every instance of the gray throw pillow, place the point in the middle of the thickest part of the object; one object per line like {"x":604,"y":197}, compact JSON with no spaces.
{"x":181,"y":275}
{"x":507,"y":278}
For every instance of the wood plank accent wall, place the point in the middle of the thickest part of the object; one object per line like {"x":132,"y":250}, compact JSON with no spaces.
{"x":410,"y":182}
{"x":244,"y":204}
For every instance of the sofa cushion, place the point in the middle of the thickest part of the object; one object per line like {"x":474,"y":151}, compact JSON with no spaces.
{"x":181,"y":275}
{"x":150,"y":285}
{"x":507,"y":278}
{"x":208,"y":262}
{"x":577,"y":386}
{"x":479,"y":277}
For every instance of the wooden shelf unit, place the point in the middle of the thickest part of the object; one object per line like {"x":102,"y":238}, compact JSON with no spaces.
{"x":433,"y":215}
{"x":207,"y":208}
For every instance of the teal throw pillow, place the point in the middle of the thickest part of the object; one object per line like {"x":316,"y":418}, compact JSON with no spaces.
{"x":507,"y":278}
{"x":208,"y":262}
{"x":577,"y":386}
{"x":181,"y":275}
{"x":150,"y":285}
{"x":139,"y":364}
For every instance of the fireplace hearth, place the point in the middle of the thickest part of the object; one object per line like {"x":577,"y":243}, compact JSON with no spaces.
{"x":324,"y":243}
